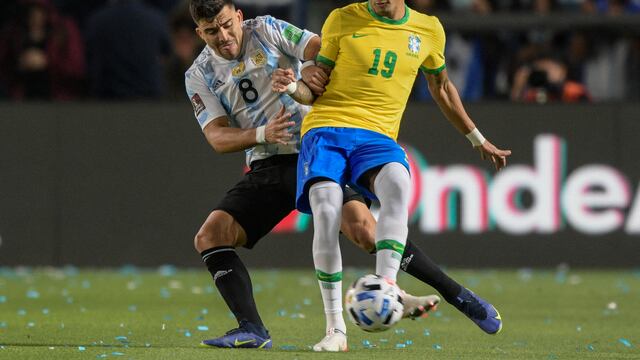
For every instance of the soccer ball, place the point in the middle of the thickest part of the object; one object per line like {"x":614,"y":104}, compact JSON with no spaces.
{"x":374,"y":303}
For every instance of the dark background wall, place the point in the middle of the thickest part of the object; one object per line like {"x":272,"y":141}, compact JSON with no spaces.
{"x":107,"y":184}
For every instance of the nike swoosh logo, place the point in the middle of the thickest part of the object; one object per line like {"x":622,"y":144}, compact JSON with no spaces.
{"x":238,"y":343}
{"x":356,"y":35}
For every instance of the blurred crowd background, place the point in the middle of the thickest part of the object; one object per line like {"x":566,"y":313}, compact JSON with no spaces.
{"x":534,"y":51}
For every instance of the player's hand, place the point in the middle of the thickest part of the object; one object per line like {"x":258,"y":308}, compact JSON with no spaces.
{"x":281,"y":78}
{"x":277,"y":129}
{"x":498,"y":157}
{"x":316,"y":79}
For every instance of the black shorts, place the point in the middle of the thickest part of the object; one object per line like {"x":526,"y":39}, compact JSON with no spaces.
{"x":265,"y":195}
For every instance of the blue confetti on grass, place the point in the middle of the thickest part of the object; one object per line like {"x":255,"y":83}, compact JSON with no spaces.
{"x":409,"y":342}
{"x":204,"y":311}
{"x":590,"y":347}
{"x":81,"y":348}
{"x":306,"y":301}
{"x":122,"y":339}
{"x":203,"y":328}
{"x":71,"y":270}
{"x":384,"y":340}
{"x":45,"y":311}
{"x":399,"y":331}
{"x":33,"y":294}
{"x":3,"y":325}
{"x":133,"y":308}
{"x":101,"y":356}
{"x":117,"y":353}
{"x":288,"y":347}
{"x":167,"y":270}
{"x":165,"y":293}
{"x":625,"y":342}
{"x":282,"y":312}
{"x":86,"y":284}
{"x":401,"y":346}
{"x":3,"y":299}
{"x":437,"y":346}
{"x":22,"y":312}
{"x":426,"y":332}
{"x":187,"y":333}
{"x":366,"y":343}
{"x":128,"y":270}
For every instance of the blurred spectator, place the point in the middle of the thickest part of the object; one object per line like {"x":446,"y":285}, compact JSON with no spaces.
{"x":79,"y":10}
{"x":127,"y":44}
{"x":429,"y":6}
{"x":41,"y":54}
{"x":545,"y":80}
{"x":186,"y":45}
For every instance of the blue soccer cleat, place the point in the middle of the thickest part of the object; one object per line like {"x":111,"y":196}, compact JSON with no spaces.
{"x":479,"y":311}
{"x":247,"y":336}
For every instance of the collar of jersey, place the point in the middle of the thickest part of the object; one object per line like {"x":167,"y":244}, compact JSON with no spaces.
{"x":386,"y":20}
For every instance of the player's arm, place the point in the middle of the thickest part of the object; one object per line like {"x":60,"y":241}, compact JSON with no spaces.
{"x":225,"y":139}
{"x":446,"y":96}
{"x":284,"y":81}
{"x":314,"y":76}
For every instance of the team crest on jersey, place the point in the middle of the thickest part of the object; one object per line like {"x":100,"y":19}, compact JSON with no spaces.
{"x":414,"y":43}
{"x":239,"y":69}
{"x":259,"y":58}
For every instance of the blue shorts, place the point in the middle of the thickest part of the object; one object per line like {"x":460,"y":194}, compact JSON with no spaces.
{"x":342,"y":155}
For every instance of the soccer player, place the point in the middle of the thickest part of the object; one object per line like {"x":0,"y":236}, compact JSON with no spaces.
{"x":371,"y":52}
{"x":229,"y":86}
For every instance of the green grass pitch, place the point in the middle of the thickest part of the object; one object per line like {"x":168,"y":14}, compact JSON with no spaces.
{"x":162,"y":313}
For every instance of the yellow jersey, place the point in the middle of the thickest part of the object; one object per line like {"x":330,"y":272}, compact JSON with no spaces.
{"x":375,"y":61}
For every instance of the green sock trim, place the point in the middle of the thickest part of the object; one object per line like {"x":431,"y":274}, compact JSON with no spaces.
{"x":390,"y":245}
{"x":326,"y":277}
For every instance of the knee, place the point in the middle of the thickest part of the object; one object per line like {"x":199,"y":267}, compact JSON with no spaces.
{"x":393,"y":182}
{"x":216,"y":231}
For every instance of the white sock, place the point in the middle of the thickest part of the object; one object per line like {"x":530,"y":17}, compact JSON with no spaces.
{"x":325,"y":198}
{"x":392,"y":186}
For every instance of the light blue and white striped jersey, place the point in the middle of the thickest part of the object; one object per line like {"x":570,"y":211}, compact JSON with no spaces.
{"x":241,"y":89}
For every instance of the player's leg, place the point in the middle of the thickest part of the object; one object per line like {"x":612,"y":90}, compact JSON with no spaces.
{"x":325,"y":198}
{"x":216,"y":242}
{"x":246,"y":213}
{"x":389,"y":182}
{"x":358,"y":225}
{"x":391,"y":185}
{"x":321,"y":170}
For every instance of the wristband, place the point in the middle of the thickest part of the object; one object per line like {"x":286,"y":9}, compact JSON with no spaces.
{"x":260,"y":135}
{"x":307,"y":63}
{"x":292,"y":87}
{"x":476,"y":137}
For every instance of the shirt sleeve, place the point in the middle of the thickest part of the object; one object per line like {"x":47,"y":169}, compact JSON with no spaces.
{"x":206,"y":105}
{"x":330,"y":39}
{"x":286,"y":37}
{"x":434,"y":63}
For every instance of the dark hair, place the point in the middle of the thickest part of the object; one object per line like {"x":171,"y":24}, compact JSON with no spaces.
{"x":207,"y":9}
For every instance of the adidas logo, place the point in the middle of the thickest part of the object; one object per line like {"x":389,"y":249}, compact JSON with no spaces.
{"x":217,"y":84}
{"x":221,"y":273}
{"x":405,"y":263}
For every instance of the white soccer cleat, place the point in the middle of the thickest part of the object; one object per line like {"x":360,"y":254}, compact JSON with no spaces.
{"x":417,"y":306}
{"x":335,"y":341}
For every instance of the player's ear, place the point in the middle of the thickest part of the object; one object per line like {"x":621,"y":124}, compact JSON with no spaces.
{"x":200,"y":33}
{"x":240,"y":15}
